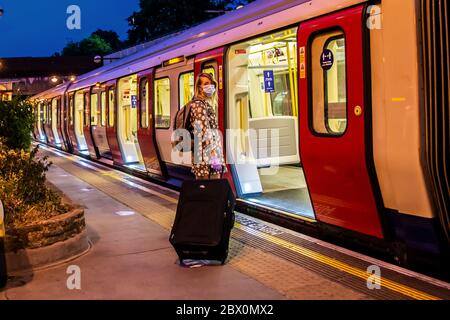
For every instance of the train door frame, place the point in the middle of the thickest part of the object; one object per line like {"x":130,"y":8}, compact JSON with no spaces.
{"x":87,"y":123}
{"x":146,"y":134}
{"x":163,"y":135}
{"x":58,"y":130}
{"x":40,"y":123}
{"x":128,"y":144}
{"x":358,"y":207}
{"x":216,"y":58}
{"x":71,"y":123}
{"x":111,"y":129}
{"x":48,"y":123}
{"x":99,"y":136}
{"x":61,"y":123}
{"x":66,"y":119}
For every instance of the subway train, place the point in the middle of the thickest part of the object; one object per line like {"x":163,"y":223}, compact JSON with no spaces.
{"x":353,"y":94}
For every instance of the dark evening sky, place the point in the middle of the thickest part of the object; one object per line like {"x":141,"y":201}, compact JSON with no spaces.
{"x":35,"y":28}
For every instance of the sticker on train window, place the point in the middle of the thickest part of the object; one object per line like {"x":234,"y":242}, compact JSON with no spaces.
{"x":327,"y":59}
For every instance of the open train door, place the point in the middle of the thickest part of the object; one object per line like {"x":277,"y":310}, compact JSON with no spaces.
{"x":213,"y":62}
{"x":335,"y":122}
{"x":146,"y":126}
{"x":111,"y":126}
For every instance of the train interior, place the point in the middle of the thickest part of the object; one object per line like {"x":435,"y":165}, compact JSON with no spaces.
{"x":127,"y":122}
{"x":263,"y":146}
{"x":78,"y":118}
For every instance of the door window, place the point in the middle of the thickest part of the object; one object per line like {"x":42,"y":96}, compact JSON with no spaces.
{"x":143,"y":99}
{"x":111,"y":106}
{"x":94,"y":109}
{"x":162,"y":103}
{"x":329,"y":84}
{"x":186,"y":87}
{"x":103,"y":109}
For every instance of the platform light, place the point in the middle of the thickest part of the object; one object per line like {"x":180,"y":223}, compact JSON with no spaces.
{"x":73,"y":78}
{"x":173,"y":61}
{"x":54,"y":79}
{"x":98,"y":85}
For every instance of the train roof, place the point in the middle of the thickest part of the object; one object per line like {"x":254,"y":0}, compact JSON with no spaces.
{"x":256,"y":18}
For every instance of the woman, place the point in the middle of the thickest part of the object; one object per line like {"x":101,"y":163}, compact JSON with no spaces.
{"x":208,"y":162}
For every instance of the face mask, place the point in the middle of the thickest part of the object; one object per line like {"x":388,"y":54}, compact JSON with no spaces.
{"x":209,"y":90}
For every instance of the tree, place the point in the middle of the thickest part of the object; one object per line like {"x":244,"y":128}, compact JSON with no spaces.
{"x":157,"y":18}
{"x":111,"y":37}
{"x":16,"y":123}
{"x":100,"y":42}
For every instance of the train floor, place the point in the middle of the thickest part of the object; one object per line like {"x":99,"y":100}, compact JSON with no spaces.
{"x":128,"y":222}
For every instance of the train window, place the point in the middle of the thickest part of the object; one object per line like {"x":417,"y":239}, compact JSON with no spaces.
{"x":49,"y":113}
{"x":209,"y":69}
{"x":329,"y":84}
{"x":186,"y":88}
{"x":86,"y":120}
{"x":103,"y":109}
{"x":71,"y":103}
{"x":162,"y":103}
{"x":78,"y":114}
{"x":143,"y":100}
{"x":94,"y":109}
{"x":44,"y":116}
{"x":263,"y":74}
{"x":111,"y":106}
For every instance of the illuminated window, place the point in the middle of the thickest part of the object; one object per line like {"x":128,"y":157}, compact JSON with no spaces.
{"x":143,"y":99}
{"x":111,"y":105}
{"x":211,"y":70}
{"x":186,"y":88}
{"x":329,"y":84}
{"x":94,"y":109}
{"x":162,"y":103}
{"x":71,"y":103}
{"x":263,"y":75}
{"x":103,"y":109}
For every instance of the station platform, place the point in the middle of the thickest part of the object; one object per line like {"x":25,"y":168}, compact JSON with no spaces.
{"x":128,"y":222}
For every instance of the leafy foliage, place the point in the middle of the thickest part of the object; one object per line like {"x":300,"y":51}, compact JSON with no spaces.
{"x":16,"y":123}
{"x":157,"y":18}
{"x":23,"y":191}
{"x":100,"y":42}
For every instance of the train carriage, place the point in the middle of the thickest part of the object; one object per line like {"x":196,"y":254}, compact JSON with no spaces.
{"x":334,"y":115}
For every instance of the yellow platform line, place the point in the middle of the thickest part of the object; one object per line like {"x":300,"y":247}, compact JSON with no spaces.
{"x":336,"y":264}
{"x":386,"y":283}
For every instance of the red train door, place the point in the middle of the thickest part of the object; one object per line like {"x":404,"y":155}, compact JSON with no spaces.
{"x":146,"y":127}
{"x":212,"y":62}
{"x":335,"y":121}
{"x":59,"y":123}
{"x":70,"y":122}
{"x":87,"y":124}
{"x":111,"y":128}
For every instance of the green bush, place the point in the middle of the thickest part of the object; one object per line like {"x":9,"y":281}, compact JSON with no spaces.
{"x":17,"y":123}
{"x":26,"y":197}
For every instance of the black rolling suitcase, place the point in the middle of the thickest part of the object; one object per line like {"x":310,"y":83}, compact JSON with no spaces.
{"x":204,"y":219}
